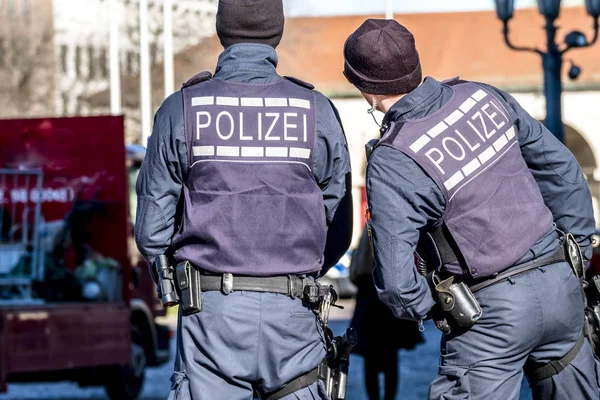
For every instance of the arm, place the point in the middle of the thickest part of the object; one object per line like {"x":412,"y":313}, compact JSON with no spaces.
{"x":557,"y":173}
{"x":160,"y":180}
{"x":333,"y":175}
{"x":402,"y":201}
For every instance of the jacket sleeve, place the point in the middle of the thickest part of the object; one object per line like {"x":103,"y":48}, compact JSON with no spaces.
{"x":403,"y":200}
{"x":160,"y":181}
{"x":333,"y":175}
{"x":557,"y":173}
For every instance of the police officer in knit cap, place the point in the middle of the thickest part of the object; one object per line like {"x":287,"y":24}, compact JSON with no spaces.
{"x":487,"y":197}
{"x":246,"y":185}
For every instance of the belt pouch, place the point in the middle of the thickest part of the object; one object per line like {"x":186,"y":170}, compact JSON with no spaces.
{"x":456,"y":299}
{"x":188,"y":281}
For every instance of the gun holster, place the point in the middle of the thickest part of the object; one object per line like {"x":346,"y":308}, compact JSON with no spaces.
{"x":574,"y":256}
{"x":188,"y":285}
{"x":456,"y":300}
{"x":333,"y":370}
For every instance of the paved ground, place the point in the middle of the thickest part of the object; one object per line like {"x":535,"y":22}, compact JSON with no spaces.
{"x":417,"y":368}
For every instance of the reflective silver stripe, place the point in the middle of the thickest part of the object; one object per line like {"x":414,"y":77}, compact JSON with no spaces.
{"x":228,"y":101}
{"x":229,"y":151}
{"x":500,"y":143}
{"x":299,"y":103}
{"x":487,"y":154}
{"x":419,"y":143}
{"x":454,"y":180}
{"x":204,"y":150}
{"x":297,"y":152}
{"x":436,"y":130}
{"x":471,"y":167}
{"x":203,"y":101}
{"x":478,"y":95}
{"x":467,"y":105}
{"x":276,"y":151}
{"x":510,"y":133}
{"x":452,"y":118}
{"x":253,"y":151}
{"x":276,"y":102}
{"x":252,"y":101}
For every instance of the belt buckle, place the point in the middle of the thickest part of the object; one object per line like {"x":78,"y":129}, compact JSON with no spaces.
{"x":227,"y":283}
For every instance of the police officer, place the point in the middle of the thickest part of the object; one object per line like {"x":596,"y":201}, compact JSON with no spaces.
{"x":462,"y":165}
{"x":259,"y":167}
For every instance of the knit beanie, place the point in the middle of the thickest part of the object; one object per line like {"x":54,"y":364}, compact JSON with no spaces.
{"x":380,"y":58}
{"x":250,"y":21}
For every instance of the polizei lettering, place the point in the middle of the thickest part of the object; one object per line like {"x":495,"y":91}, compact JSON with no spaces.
{"x":290,"y":126}
{"x":226,"y":128}
{"x":467,"y":138}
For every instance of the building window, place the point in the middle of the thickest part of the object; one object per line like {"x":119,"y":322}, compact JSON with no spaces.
{"x":129,"y":65}
{"x":153,"y":53}
{"x":91,"y":63}
{"x":102,"y":60}
{"x":65,"y":103}
{"x":64,"y":52}
{"x":11,"y":8}
{"x":15,"y":52}
{"x":2,"y":52}
{"x":25,"y":54}
{"x":77,"y":61}
{"x":25,"y":9}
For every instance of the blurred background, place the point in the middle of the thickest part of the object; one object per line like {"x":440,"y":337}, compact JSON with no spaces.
{"x":80,"y":81}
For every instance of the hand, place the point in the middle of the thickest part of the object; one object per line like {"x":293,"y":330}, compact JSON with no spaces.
{"x":438,"y":317}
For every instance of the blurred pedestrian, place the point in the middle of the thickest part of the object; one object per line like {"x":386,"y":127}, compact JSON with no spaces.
{"x":380,"y":334}
{"x":491,"y":199}
{"x":246,"y":183}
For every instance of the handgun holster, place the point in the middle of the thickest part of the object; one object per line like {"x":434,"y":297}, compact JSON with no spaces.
{"x":190,"y":291}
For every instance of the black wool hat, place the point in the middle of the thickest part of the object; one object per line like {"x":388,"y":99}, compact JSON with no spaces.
{"x":250,"y":21}
{"x":380,"y":58}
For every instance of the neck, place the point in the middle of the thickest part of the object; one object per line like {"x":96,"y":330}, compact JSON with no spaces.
{"x":385,"y":102}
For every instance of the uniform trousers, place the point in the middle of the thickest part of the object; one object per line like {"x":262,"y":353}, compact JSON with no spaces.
{"x":535,"y":316}
{"x":246,"y":341}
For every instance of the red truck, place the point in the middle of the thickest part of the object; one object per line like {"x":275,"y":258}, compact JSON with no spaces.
{"x":76,"y":301}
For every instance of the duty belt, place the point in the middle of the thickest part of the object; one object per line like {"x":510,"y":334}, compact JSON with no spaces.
{"x":557,"y":257}
{"x":298,"y":286}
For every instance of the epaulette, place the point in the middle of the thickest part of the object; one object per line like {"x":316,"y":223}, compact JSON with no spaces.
{"x":456,"y":78}
{"x":199,"y":77}
{"x":299,"y":82}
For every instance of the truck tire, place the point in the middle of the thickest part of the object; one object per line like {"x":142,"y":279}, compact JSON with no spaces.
{"x":125,"y":382}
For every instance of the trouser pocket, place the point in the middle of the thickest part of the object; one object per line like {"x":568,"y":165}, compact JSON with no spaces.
{"x":452,"y":383}
{"x":180,"y":387}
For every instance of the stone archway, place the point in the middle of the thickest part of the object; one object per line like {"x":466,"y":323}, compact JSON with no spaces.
{"x":586,"y":158}
{"x":581,"y":149}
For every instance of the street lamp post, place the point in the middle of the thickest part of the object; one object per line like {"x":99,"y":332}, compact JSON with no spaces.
{"x":553,"y":56}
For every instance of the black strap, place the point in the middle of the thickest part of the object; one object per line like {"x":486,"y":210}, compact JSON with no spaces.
{"x":444,"y":247}
{"x":293,"y":386}
{"x":291,"y":285}
{"x":553,"y":259}
{"x":540,"y":372}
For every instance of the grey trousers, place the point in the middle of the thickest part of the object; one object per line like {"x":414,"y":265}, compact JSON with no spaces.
{"x":536,"y":316}
{"x":245,"y":341}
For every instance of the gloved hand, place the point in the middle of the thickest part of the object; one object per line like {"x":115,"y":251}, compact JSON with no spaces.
{"x":438,"y":317}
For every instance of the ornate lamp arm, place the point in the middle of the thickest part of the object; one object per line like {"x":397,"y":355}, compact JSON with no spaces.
{"x":510,"y":45}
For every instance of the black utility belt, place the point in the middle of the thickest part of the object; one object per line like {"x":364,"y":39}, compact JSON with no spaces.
{"x":455,"y":296}
{"x":558,"y":256}
{"x":292,"y":285}
{"x":191,"y":282}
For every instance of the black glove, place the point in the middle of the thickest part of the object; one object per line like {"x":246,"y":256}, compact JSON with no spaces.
{"x":438,"y":317}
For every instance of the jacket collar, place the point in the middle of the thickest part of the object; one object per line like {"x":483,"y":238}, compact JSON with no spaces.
{"x":253,"y":58}
{"x":412,"y":105}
